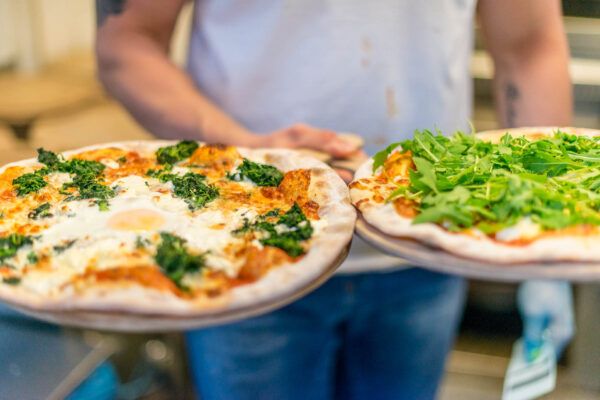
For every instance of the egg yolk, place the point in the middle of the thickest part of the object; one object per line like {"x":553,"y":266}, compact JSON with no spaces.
{"x":136,"y":220}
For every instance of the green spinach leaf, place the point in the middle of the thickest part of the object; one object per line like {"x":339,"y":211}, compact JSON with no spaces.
{"x":175,"y":260}
{"x":260,"y":174}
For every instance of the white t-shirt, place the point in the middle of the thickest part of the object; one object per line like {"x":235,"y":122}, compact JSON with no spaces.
{"x":379,"y":68}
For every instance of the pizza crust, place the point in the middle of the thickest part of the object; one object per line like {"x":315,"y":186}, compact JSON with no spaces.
{"x":284,"y":280}
{"x":384,"y":217}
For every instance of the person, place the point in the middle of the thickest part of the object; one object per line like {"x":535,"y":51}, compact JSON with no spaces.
{"x":294,"y":73}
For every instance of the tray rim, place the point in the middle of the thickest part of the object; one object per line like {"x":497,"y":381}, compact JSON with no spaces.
{"x":424,"y":256}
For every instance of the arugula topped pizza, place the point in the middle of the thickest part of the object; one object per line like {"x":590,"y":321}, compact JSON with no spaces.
{"x":523,"y":195}
{"x":171,"y":228}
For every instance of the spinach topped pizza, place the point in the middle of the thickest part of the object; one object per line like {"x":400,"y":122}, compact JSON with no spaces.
{"x":175,"y":228}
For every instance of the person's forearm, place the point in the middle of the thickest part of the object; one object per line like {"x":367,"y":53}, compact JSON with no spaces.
{"x":534,"y":88}
{"x":132,"y":50}
{"x":160,"y":96}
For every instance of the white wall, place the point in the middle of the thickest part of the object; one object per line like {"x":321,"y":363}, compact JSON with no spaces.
{"x":36,"y":32}
{"x":8,"y":48}
{"x":64,"y":26}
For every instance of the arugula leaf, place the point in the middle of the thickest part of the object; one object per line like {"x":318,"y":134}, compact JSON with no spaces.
{"x":380,"y":157}
{"x":177,"y":152}
{"x":174,"y":259}
{"x":426,"y":141}
{"x":425,"y":168}
{"x":545,"y":163}
{"x":456,"y":216}
{"x":400,"y":191}
{"x":260,"y":174}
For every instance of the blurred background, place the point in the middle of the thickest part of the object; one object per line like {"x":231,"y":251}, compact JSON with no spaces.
{"x":49,"y":97}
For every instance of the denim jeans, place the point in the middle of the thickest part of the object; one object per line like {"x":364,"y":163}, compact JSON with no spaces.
{"x":361,"y":336}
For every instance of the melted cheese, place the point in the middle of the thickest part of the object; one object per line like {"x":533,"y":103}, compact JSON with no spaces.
{"x":524,"y":229}
{"x":58,"y":179}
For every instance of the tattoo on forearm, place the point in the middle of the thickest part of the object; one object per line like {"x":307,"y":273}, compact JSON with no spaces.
{"x":105,"y":8}
{"x":512,"y":95}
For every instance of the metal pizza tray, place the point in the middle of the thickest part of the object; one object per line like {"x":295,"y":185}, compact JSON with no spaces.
{"x":140,"y":323}
{"x":436,"y":259}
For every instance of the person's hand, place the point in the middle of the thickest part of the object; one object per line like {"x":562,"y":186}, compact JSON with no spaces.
{"x":546,"y":308}
{"x":309,"y":137}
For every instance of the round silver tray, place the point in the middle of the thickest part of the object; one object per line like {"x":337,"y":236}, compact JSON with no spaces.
{"x":436,"y":259}
{"x":138,"y":323}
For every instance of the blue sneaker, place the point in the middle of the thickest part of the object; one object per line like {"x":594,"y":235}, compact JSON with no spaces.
{"x":102,"y":384}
